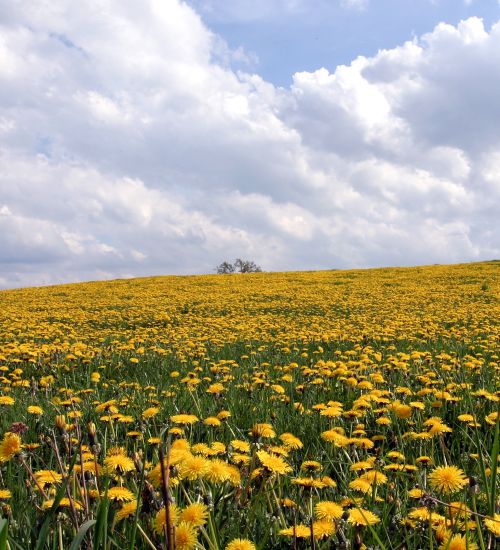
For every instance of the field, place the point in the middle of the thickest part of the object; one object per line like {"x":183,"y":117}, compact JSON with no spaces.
{"x":333,"y":409}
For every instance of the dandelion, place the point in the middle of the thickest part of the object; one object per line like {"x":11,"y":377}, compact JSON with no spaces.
{"x":360,"y":516}
{"x":447,"y":479}
{"x":10,"y":446}
{"x":118,"y":463}
{"x":127,"y":510}
{"x":196,"y":514}
{"x":458,"y":542}
{"x":64,"y":503}
{"x":48,"y":477}
{"x":160,"y":519}
{"x":262,"y":430}
{"x":241,"y":544}
{"x":274,"y":464}
{"x":184,"y":419}
{"x":300,"y":531}
{"x":327,"y":509}
{"x":120,"y":494}
{"x":185,"y":536}
{"x":493,"y":524}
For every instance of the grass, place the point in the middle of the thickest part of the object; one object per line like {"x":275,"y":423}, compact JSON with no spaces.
{"x":380,"y":375}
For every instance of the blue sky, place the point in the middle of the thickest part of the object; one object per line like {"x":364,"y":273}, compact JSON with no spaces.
{"x":304,"y":35}
{"x":164,"y":137}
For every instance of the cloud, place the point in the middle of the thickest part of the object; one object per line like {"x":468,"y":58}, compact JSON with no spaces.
{"x":129,"y":146}
{"x":355,"y":4}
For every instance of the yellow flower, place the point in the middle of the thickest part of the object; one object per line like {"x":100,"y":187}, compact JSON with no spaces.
{"x":119,"y":463}
{"x":458,"y":542}
{"x":327,"y":509}
{"x":493,"y":524}
{"x":447,"y":479}
{"x":241,"y":544}
{"x":150,"y":412}
{"x":121,"y":494}
{"x":218,"y":471}
{"x":212,"y":421}
{"x":127,"y":510}
{"x":10,"y":446}
{"x":275,"y":464}
{"x":291,"y":441}
{"x":184,"y":419}
{"x":196,"y":514}
{"x":48,"y":477}
{"x":360,"y":516}
{"x":193,"y":467}
{"x":5,"y":494}
{"x":323,"y":528}
{"x":262,"y":430}
{"x":33,"y":409}
{"x":311,"y":466}
{"x":185,"y":536}
{"x":65,"y":503}
{"x":242,"y":446}
{"x":300,"y":531}
{"x":7,"y":400}
{"x":160,"y":519}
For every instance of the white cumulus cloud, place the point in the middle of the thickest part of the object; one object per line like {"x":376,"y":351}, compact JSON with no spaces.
{"x":128,"y":146}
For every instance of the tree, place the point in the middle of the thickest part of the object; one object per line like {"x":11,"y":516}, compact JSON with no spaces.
{"x":224,"y":268}
{"x":240,"y":266}
{"x":246,"y":266}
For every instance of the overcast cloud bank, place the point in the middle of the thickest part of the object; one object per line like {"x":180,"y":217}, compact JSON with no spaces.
{"x":129,"y":146}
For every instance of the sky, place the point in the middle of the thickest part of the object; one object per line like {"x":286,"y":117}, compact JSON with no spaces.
{"x":163,"y":137}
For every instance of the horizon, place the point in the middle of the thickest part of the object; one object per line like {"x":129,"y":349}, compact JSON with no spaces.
{"x":263,"y":272}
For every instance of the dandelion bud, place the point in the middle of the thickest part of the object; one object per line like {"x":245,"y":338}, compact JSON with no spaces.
{"x":91,"y":431}
{"x":61,"y":422}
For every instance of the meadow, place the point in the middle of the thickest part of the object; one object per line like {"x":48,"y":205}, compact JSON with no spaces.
{"x":333,"y":409}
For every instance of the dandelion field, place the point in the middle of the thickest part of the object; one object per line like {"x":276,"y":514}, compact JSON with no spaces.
{"x":335,"y":409}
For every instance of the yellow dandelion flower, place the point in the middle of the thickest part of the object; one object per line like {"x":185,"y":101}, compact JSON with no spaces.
{"x":300,"y":531}
{"x":291,"y":441}
{"x":185,"y":536}
{"x":311,"y":466}
{"x":64,"y":503}
{"x":5,"y":494}
{"x":263,"y":430}
{"x":118,"y":463}
{"x":7,"y":400}
{"x":323,"y":528}
{"x":275,"y":464}
{"x":242,"y":446}
{"x":120,"y":494}
{"x":326,"y":509}
{"x":34,"y":410}
{"x":212,"y":421}
{"x":241,"y":544}
{"x":360,"y":516}
{"x":160,"y":519}
{"x":447,"y":479}
{"x":127,"y":510}
{"x":193,"y":467}
{"x":458,"y":542}
{"x":493,"y":524}
{"x":48,"y":477}
{"x":184,"y":419}
{"x":150,"y":412}
{"x":217,"y":471}
{"x":196,"y":514}
{"x":10,"y":446}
